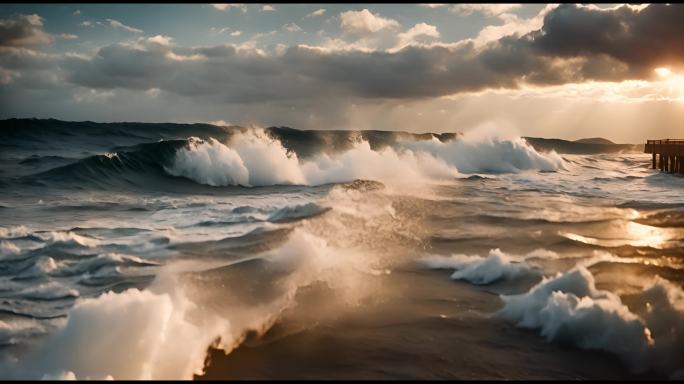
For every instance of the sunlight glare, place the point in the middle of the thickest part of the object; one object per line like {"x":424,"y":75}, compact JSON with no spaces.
{"x":663,"y":72}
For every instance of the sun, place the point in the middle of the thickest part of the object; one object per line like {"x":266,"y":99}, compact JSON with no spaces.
{"x":671,"y":83}
{"x":663,"y":72}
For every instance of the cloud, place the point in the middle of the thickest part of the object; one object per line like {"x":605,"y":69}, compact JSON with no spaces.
{"x":433,"y":6}
{"x":23,"y":30}
{"x":92,"y":95}
{"x":316,"y":13}
{"x":236,"y":33}
{"x":21,"y":58}
{"x":263,"y":34}
{"x":7,"y":76}
{"x":76,"y":12}
{"x":181,"y":57}
{"x":160,"y":39}
{"x":297,"y":73}
{"x":365,"y":22}
{"x":292,"y":27}
{"x":120,"y":25}
{"x":642,"y":38}
{"x":86,"y":24}
{"x":363,"y":31}
{"x":421,"y":30}
{"x":68,"y":36}
{"x":492,"y":10}
{"x":410,"y":70}
{"x":512,"y":25}
{"x":226,"y":7}
{"x":569,"y":45}
{"x":267,"y":8}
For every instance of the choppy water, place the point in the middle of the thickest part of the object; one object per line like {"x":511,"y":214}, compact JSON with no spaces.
{"x":127,"y":250}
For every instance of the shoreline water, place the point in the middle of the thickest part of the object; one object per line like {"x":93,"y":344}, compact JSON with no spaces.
{"x":412,"y":336}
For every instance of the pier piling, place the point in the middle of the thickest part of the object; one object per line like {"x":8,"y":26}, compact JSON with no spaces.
{"x":667,"y":154}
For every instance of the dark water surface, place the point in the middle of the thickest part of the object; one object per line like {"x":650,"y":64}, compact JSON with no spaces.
{"x":129,"y":250}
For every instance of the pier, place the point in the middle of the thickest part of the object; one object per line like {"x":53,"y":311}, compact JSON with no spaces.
{"x":669,"y":153}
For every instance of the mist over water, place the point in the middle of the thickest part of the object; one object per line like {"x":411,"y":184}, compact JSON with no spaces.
{"x":150,"y":252}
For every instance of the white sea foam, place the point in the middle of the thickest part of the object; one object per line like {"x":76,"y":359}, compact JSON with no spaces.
{"x":17,"y":231}
{"x":211,"y":163}
{"x":496,"y":266}
{"x":255,"y":159}
{"x":490,"y":153}
{"x":161,"y":333}
{"x":67,"y":238}
{"x":129,"y":335}
{"x":569,"y":308}
{"x":252,"y":159}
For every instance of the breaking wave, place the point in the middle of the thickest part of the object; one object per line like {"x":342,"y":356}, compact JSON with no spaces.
{"x":481,"y":270}
{"x":568,"y":308}
{"x":163,"y":331}
{"x":255,"y":159}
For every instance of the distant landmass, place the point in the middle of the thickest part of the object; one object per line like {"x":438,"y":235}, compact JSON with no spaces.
{"x":594,"y":140}
{"x":582,"y":146}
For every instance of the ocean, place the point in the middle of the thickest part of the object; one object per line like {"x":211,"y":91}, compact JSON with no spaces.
{"x":152,"y":251}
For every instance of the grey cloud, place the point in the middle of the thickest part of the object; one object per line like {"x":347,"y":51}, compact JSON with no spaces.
{"x":25,"y":59}
{"x":23,"y":30}
{"x":640,"y":39}
{"x":118,"y":65}
{"x":575,"y":44}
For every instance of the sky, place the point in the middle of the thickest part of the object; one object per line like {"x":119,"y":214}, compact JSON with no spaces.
{"x":567,"y":71}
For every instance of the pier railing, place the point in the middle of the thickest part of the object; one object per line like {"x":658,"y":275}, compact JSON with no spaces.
{"x":669,"y":152}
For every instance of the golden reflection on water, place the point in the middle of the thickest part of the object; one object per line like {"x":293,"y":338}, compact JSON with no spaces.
{"x":626,"y":233}
{"x":647,"y":236}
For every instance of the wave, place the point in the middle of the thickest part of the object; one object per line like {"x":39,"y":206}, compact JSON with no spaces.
{"x":569,"y":308}
{"x":16,"y":331}
{"x":291,"y":213}
{"x":52,"y":133}
{"x":139,"y":165}
{"x":48,"y":291}
{"x":481,"y":270}
{"x":13,"y":232}
{"x":40,"y":133}
{"x":164,"y":330}
{"x":8,"y":250}
{"x":255,"y":158}
{"x":93,"y":265}
{"x":474,"y":153}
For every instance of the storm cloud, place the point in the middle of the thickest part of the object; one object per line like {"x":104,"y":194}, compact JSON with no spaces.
{"x":575,"y":44}
{"x":317,"y":85}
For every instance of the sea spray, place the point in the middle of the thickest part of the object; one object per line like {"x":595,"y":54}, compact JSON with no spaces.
{"x":255,"y":159}
{"x":163,"y":332}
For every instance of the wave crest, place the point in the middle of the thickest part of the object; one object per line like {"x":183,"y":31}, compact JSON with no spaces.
{"x":255,"y":159}
{"x":569,"y":308}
